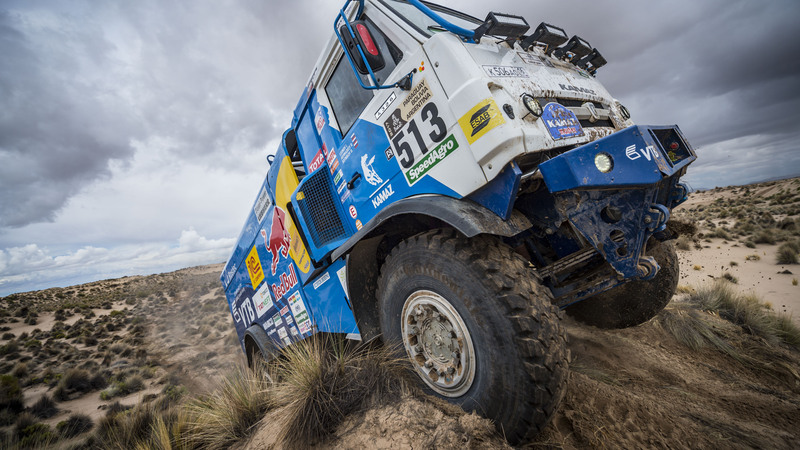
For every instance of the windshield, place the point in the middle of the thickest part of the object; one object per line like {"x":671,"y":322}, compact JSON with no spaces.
{"x":427,"y":25}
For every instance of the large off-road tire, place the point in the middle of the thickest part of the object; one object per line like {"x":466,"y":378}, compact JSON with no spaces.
{"x":478,"y":328}
{"x":635,"y":302}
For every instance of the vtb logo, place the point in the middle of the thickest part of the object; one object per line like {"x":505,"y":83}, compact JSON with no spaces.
{"x":279,"y":239}
{"x":650,"y":153}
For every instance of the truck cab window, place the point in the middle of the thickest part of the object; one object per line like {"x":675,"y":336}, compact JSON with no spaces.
{"x":348,"y":99}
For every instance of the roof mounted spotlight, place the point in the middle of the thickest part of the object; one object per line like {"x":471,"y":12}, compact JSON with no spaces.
{"x":504,"y":25}
{"x":592,"y":61}
{"x":549,"y":35}
{"x":576,"y":46}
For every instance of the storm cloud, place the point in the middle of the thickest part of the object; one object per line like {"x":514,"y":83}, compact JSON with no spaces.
{"x":125,"y":124}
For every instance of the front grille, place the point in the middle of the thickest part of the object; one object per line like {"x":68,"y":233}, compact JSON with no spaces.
{"x":319,"y":210}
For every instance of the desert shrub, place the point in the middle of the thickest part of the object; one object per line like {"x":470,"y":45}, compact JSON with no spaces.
{"x":76,"y":424}
{"x":697,"y":267}
{"x":752,"y":257}
{"x":8,"y":336}
{"x":10,"y":393}
{"x":747,"y":311}
{"x":721,"y":233}
{"x":140,"y":427}
{"x":219,"y":419}
{"x":9,"y":348}
{"x":77,"y":380}
{"x":134,"y":383}
{"x":689,"y":328}
{"x":787,"y":254}
{"x":733,"y":263}
{"x":765,"y":237}
{"x":323,"y":378}
{"x":45,"y":407}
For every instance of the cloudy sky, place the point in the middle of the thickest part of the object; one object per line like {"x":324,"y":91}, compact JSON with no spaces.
{"x":133,"y":135}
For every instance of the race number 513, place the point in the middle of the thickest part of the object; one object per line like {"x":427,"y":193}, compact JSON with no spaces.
{"x":409,"y":141}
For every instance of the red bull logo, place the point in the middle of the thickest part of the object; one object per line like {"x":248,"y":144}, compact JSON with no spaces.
{"x":287,"y":281}
{"x":278,"y":242}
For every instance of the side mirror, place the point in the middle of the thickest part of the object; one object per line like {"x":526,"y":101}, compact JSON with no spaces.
{"x":368,"y":46}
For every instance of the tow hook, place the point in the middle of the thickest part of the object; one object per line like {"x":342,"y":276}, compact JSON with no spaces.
{"x":656,"y":218}
{"x":647,"y":268}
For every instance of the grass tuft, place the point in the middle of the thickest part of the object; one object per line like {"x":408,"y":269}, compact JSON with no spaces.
{"x":787,"y":254}
{"x":747,"y":311}
{"x":322,"y":379}
{"x":219,"y":419}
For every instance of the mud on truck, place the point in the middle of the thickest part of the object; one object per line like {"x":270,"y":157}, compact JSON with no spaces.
{"x":452,"y":185}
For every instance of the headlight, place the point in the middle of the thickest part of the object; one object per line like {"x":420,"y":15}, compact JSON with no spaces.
{"x":603,"y":162}
{"x":532,"y":105}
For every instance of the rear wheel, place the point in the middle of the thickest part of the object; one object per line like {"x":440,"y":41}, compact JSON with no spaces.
{"x":478,"y":328}
{"x":635,"y":302}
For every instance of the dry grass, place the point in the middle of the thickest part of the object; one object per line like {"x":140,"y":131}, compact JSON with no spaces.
{"x":322,"y":379}
{"x":747,"y":311}
{"x":219,"y":419}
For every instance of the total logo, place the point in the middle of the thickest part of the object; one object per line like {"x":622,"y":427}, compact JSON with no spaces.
{"x":650,"y":153}
{"x":370,"y":174}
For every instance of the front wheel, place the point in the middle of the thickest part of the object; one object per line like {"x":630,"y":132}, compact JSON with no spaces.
{"x":635,"y":302}
{"x":478,"y":328}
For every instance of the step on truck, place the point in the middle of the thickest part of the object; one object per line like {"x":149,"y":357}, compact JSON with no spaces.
{"x":451,"y":185}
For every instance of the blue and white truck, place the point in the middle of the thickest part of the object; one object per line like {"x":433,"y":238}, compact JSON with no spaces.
{"x":452,"y":184}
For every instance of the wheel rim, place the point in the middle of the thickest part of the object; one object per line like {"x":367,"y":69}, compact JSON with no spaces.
{"x":438,"y":343}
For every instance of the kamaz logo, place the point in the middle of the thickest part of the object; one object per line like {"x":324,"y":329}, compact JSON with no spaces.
{"x":382,"y":196}
{"x":569,"y":87}
{"x":649,"y":153}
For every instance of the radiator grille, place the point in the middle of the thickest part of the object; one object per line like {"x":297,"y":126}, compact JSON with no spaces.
{"x":319,"y":210}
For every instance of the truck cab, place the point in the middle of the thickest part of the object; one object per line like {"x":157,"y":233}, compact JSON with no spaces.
{"x":428,"y":146}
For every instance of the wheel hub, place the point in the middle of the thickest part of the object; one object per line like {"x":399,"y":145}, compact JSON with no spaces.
{"x":438,"y":343}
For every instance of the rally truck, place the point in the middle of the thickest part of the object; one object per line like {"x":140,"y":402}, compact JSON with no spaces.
{"x":450,"y":185}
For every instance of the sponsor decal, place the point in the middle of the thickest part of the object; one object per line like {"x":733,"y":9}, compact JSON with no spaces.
{"x":284,"y":310}
{"x":370,"y":174}
{"x":341,"y":187}
{"x":235,"y":313}
{"x":342,"y":275}
{"x":431,"y":159}
{"x":334,"y":166}
{"x":409,"y":107}
{"x":354,"y":140}
{"x":422,"y":66}
{"x":254,"y":267}
{"x":319,"y":120}
{"x":287,"y":281}
{"x":560,"y":121}
{"x":286,"y":341}
{"x":381,"y":197}
{"x":276,"y":319}
{"x":386,"y":104}
{"x":262,"y":300}
{"x":271,"y":332}
{"x":569,"y":87}
{"x":268,"y":324}
{"x":506,"y":71}
{"x":320,"y":281}
{"x":650,"y":153}
{"x":278,"y":242}
{"x":300,"y":312}
{"x":389,"y":153}
{"x":288,"y":319}
{"x":358,"y":225}
{"x":293,"y":330}
{"x":262,"y":204}
{"x":338,"y":177}
{"x":481,"y":119}
{"x":316,"y":163}
{"x":282,"y":333}
{"x":345,"y":196}
{"x":353,"y":211}
{"x":346,"y":151}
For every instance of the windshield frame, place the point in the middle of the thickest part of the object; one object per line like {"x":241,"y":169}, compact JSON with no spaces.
{"x":445,"y":12}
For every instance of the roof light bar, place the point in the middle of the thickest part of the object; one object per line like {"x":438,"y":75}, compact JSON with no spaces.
{"x":576,"y":46}
{"x":549,"y":35}
{"x":592,"y":61}
{"x":505,"y":25}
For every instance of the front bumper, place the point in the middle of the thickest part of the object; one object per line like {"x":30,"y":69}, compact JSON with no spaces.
{"x":617,"y":211}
